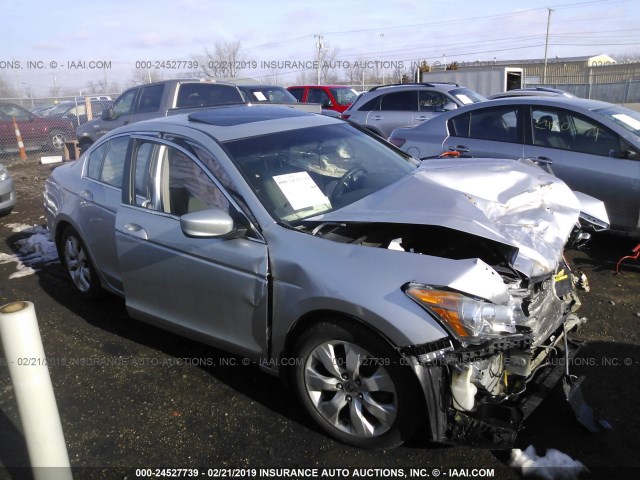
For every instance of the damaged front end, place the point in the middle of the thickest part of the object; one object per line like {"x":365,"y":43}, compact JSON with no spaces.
{"x":509,"y":318}
{"x":484,"y":381}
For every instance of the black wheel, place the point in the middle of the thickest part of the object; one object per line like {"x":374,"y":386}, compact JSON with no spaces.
{"x":84,"y":145}
{"x":75,"y":259}
{"x":56,"y":140}
{"x":352,"y":384}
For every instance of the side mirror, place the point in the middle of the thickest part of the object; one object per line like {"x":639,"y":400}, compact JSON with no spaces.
{"x":210,"y":223}
{"x":327,"y":104}
{"x":449,"y":106}
{"x":107,"y":114}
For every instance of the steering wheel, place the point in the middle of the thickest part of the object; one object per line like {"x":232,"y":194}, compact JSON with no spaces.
{"x":353,"y":175}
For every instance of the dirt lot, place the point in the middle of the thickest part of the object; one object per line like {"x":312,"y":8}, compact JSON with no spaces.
{"x":140,"y":400}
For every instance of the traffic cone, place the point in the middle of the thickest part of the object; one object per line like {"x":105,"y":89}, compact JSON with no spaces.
{"x":23,"y":152}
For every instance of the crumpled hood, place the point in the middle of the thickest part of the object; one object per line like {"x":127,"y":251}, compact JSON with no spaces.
{"x":506,"y":201}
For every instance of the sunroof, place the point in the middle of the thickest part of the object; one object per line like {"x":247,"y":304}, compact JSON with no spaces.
{"x":230,"y":116}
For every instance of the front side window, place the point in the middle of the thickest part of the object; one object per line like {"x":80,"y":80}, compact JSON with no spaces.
{"x":167,"y":179}
{"x":316,"y":95}
{"x":566,"y":130}
{"x":123,"y":104}
{"x":344,"y":96}
{"x":150,"y":98}
{"x":431,"y":101}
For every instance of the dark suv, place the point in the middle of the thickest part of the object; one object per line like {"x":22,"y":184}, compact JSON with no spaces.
{"x":386,"y":107}
{"x":36,"y":132}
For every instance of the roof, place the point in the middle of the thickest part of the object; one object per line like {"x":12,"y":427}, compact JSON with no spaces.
{"x":233,"y":122}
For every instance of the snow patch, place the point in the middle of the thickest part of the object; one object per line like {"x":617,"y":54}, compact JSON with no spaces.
{"x":554,"y":465}
{"x":36,"y":250}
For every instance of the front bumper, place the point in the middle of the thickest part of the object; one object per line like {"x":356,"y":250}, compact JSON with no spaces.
{"x":7,"y":195}
{"x":494,"y":421}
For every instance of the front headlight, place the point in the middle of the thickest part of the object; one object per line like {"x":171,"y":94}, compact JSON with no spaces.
{"x":4,"y":173}
{"x":467,"y":319}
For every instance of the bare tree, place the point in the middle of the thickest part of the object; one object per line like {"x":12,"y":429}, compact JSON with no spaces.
{"x":140,"y":76}
{"x":225,"y":61}
{"x":6,"y":90}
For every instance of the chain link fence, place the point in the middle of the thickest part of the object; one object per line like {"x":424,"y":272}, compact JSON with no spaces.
{"x":43,"y":126}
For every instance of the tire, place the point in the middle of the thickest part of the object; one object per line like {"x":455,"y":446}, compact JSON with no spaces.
{"x":351,"y":383}
{"x":56,"y":140}
{"x":84,"y":145}
{"x":77,"y":263}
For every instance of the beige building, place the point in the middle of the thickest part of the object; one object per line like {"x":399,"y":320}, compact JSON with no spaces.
{"x":571,"y":70}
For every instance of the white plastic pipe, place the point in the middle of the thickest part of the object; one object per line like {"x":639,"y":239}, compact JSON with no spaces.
{"x":34,"y":393}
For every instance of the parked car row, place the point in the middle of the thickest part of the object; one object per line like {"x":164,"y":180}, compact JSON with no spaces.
{"x":37,"y":132}
{"x":593,"y":146}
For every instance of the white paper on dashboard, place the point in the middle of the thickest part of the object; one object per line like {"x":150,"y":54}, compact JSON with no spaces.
{"x":300,"y":190}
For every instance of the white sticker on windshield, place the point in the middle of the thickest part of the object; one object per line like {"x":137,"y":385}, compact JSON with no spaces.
{"x":301,"y":191}
{"x":260,"y":96}
{"x":624,"y":118}
{"x":464,"y":99}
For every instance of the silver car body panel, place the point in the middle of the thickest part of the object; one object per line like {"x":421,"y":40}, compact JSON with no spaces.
{"x":522,"y":206}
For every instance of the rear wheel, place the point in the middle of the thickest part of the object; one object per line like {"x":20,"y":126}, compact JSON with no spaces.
{"x":352,"y":384}
{"x":78,"y":265}
{"x":57,"y":138}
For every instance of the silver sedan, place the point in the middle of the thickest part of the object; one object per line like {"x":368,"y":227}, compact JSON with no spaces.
{"x":593,"y":146}
{"x":391,"y":296}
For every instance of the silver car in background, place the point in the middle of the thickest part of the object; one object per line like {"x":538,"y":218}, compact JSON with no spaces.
{"x":593,"y":146}
{"x":393,"y":296}
{"x":7,"y":191}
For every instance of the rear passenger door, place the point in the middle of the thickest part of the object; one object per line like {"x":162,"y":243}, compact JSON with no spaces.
{"x":395,"y":109}
{"x":101,"y":195}
{"x":487,"y":132}
{"x":587,"y":156}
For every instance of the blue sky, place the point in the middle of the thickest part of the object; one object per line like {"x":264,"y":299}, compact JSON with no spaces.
{"x":123,"y":32}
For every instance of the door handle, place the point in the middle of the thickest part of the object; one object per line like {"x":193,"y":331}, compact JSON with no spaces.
{"x":422,"y":118}
{"x":126,"y":122}
{"x":377,"y":117}
{"x":87,"y":195}
{"x":458,"y":148}
{"x":136,"y":230}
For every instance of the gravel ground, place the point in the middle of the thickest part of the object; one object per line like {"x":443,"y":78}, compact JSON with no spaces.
{"x":136,"y":403}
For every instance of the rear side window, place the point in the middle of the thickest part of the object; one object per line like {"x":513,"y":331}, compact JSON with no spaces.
{"x":106,"y":163}
{"x":203,"y":94}
{"x":406,"y":101}
{"x":496,"y":124}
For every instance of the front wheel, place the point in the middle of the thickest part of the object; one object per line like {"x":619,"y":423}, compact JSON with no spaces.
{"x":352,"y":384}
{"x":78,"y":265}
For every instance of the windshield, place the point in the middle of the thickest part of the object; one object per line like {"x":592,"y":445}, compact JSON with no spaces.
{"x":467,"y":96}
{"x":300,"y":173}
{"x":626,"y":118}
{"x":58,"y":110}
{"x":343,"y":95}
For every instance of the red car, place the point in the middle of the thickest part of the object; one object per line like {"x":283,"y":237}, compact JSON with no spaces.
{"x":331,"y":97}
{"x":36,"y":132}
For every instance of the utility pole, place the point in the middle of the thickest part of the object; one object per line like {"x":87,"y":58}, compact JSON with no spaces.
{"x":320,"y":46}
{"x":382,"y":51}
{"x":546,"y":47}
